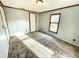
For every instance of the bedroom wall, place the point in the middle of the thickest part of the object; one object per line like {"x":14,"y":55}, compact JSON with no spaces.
{"x":18,"y":21}
{"x":69,"y":24}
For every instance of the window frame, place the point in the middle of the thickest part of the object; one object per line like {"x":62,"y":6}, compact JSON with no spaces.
{"x":54,"y":23}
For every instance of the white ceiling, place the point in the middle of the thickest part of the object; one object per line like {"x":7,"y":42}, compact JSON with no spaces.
{"x":47,"y":5}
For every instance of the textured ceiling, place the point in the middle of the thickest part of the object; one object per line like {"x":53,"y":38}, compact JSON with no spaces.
{"x":47,"y":5}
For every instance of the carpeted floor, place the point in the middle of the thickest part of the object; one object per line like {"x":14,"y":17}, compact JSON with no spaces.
{"x":19,"y":50}
{"x":61,"y":48}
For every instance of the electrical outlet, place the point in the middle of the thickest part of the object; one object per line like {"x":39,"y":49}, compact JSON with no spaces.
{"x":74,"y":39}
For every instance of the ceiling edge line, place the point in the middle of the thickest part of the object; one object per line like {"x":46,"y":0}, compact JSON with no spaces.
{"x":20,"y":9}
{"x":40,"y":12}
{"x":17,"y":8}
{"x":59,"y":8}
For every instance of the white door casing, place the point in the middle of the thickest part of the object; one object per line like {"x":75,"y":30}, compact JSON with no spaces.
{"x":32,"y":22}
{"x":4,"y":35}
{"x":4,"y":22}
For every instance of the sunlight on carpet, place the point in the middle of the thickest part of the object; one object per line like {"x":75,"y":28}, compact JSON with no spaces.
{"x":21,"y":36}
{"x":37,"y":48}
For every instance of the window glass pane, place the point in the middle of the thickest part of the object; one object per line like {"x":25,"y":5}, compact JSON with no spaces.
{"x":55,"y":18}
{"x":53,"y":27}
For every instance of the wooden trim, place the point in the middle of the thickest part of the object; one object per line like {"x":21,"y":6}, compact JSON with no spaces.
{"x":55,"y":22}
{"x":35,"y":21}
{"x":5,"y":18}
{"x":20,"y":9}
{"x":7,"y":22}
{"x":48,"y":34}
{"x":58,"y":22}
{"x":58,"y":38}
{"x":29,"y":22}
{"x":60,"y":8}
{"x":1,"y":4}
{"x":17,"y":8}
{"x":12,"y":36}
{"x":3,"y":25}
{"x":43,"y":11}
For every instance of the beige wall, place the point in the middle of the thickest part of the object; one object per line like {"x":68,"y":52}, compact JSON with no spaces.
{"x":69,"y":24}
{"x":18,"y":21}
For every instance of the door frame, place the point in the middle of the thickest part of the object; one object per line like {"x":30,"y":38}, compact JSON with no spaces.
{"x":2,"y":8}
{"x":30,"y":21}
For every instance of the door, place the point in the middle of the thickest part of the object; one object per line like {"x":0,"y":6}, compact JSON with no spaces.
{"x":4,"y":22}
{"x":32,"y":22}
{"x":4,"y":45}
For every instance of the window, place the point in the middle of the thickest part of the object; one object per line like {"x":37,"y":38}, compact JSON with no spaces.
{"x":54,"y":22}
